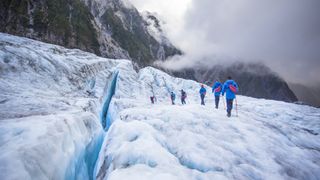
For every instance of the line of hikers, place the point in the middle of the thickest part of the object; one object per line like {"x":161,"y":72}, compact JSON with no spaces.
{"x":183,"y":97}
{"x":230,"y":88}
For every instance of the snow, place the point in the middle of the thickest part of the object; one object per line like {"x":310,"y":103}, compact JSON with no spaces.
{"x":51,"y":98}
{"x":156,"y":32}
{"x":100,"y":6}
{"x":54,"y":102}
{"x":161,"y":141}
{"x":195,"y":142}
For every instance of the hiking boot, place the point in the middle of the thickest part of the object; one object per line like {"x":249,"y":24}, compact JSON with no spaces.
{"x":229,"y":114}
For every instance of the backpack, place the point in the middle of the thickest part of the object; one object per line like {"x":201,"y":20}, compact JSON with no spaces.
{"x":203,"y":91}
{"x":218,"y":89}
{"x":233,"y":88}
{"x":184,"y":94}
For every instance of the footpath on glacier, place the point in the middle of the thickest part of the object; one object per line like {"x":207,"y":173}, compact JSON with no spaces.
{"x":68,"y":114}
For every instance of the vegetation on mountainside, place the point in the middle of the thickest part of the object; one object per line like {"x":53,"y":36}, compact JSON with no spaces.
{"x":67,"y":23}
{"x":70,"y":23}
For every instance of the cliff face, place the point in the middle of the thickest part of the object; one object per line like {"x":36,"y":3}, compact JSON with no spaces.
{"x":62,"y":22}
{"x":111,"y":28}
{"x":255,"y":80}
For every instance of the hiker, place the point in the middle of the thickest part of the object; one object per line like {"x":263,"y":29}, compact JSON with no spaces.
{"x":183,"y":96}
{"x":216,"y":89}
{"x":202,"y":92}
{"x":153,"y":99}
{"x":230,"y":87}
{"x":173,"y":97}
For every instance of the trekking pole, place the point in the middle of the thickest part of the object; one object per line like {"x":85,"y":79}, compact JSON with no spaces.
{"x":236,"y":107}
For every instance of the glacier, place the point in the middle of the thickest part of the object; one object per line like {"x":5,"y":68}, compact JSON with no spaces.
{"x":68,"y":114}
{"x":105,"y":116}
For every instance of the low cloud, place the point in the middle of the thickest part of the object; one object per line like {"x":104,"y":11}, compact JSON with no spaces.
{"x":283,"y":34}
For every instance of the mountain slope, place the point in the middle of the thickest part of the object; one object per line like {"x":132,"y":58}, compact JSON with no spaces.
{"x":62,"y":22}
{"x":111,"y":28}
{"x":57,"y":103}
{"x":115,"y":29}
{"x":305,"y":94}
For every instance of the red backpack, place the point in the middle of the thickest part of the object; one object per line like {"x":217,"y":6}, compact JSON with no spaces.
{"x":218,"y":89}
{"x":233,"y":88}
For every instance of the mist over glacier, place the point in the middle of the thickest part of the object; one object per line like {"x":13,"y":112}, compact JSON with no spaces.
{"x":284,"y":34}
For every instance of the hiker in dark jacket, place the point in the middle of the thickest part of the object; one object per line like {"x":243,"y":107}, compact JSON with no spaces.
{"x":230,"y":87}
{"x":183,"y":96}
{"x":153,"y":99}
{"x":216,"y":89}
{"x":173,"y":97}
{"x":202,"y":93}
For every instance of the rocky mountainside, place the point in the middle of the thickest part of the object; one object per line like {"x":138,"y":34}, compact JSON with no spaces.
{"x":306,"y":94}
{"x":109,"y":28}
{"x":254,"y":79}
{"x":115,"y":29}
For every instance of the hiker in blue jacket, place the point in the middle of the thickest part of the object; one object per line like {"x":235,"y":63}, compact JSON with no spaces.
{"x":202,"y":92}
{"x":173,"y":97}
{"x":230,"y":87}
{"x":216,"y":89}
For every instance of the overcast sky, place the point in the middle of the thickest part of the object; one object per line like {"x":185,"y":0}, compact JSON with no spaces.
{"x":284,"y":34}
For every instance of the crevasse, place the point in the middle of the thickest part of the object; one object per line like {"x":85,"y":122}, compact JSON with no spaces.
{"x":105,"y":118}
{"x":83,"y":166}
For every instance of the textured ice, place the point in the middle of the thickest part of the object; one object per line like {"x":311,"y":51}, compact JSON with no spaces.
{"x":53,"y":101}
{"x":50,"y":102}
{"x":268,"y":140}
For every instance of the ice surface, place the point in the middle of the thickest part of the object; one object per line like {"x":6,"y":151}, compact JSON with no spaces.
{"x":105,"y":116}
{"x":52,"y":100}
{"x":268,"y":140}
